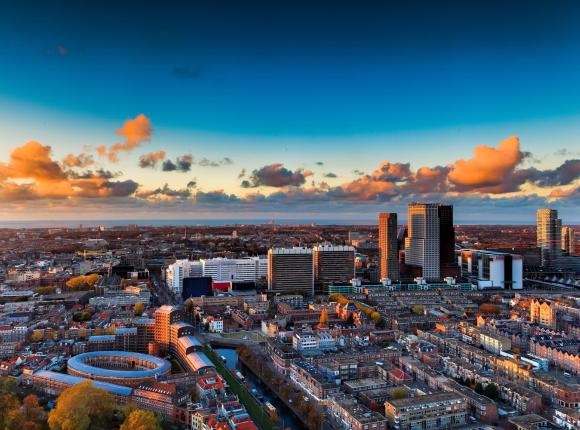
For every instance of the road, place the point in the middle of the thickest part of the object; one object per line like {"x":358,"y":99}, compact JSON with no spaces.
{"x":163,"y":295}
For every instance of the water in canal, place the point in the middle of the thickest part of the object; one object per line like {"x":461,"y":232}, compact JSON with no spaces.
{"x":290,"y":421}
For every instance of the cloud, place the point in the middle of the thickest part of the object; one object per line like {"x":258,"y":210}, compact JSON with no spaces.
{"x":81,"y":160}
{"x":165,"y":192}
{"x":204,"y":162}
{"x":276,"y":175}
{"x":136,"y":131}
{"x":181,"y":164}
{"x":564,"y":174}
{"x":32,"y":161}
{"x":330,"y":175}
{"x":242,"y":174}
{"x":319,"y":163}
{"x":358,"y":172}
{"x":490,"y":170}
{"x":31,"y":173}
{"x":151,"y":159}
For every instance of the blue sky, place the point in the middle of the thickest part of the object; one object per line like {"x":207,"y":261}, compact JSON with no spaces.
{"x":292,"y":83}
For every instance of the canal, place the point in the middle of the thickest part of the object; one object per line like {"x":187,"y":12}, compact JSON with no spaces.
{"x":259,"y":390}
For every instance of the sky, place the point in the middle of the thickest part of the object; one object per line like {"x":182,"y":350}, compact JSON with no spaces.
{"x":304,"y":110}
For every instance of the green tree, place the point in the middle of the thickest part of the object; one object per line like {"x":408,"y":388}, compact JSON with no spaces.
{"x":491,"y":391}
{"x":81,"y":407}
{"x":478,"y":388}
{"x":141,"y":420}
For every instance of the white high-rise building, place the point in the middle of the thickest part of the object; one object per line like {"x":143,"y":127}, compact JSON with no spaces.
{"x":240,"y":269}
{"x":422,"y":243}
{"x":175,"y":273}
{"x":490,"y":269}
{"x":549,"y":236}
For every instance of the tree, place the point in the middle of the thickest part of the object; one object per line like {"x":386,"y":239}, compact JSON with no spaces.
{"x":139,"y":308}
{"x":491,"y":391}
{"x":7,"y":385}
{"x":81,"y":407}
{"x":36,"y":336}
{"x":141,"y":420}
{"x":29,"y":416}
{"x":398,"y":393}
{"x":478,"y":388}
{"x":418,"y":310}
{"x":83,"y":282}
{"x":324,"y":317}
{"x":9,"y":402}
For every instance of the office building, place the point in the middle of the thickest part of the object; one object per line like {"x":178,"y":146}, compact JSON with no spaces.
{"x":176,"y":272}
{"x":447,"y":260}
{"x":333,"y":263}
{"x":428,"y":412}
{"x":568,"y":241}
{"x":196,"y":287}
{"x":389,"y":249}
{"x":291,"y":269}
{"x":549,"y":232}
{"x":240,"y":269}
{"x":164,"y":317}
{"x":422,"y":244}
{"x":489,"y":269}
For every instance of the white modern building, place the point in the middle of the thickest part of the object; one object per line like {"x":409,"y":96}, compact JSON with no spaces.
{"x":489,"y":269}
{"x":240,"y":269}
{"x":175,"y":273}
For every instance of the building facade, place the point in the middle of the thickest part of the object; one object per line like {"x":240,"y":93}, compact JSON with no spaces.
{"x":429,"y":412}
{"x":489,"y":269}
{"x":549,"y":232}
{"x":422,"y":246}
{"x":333,"y":263}
{"x":388,"y":245}
{"x":291,"y":269}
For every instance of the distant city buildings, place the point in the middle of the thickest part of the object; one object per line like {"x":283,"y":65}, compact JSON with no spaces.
{"x":489,"y":269}
{"x":388,"y":244}
{"x":549,"y":231}
{"x":291,"y":269}
{"x":249,"y":269}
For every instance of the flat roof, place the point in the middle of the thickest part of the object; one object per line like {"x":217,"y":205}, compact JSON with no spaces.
{"x":77,"y":363}
{"x":73,"y":380}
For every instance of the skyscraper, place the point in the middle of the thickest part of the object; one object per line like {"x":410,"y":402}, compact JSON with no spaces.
{"x":290,"y":269}
{"x":448,"y":262}
{"x":333,"y":264}
{"x":568,"y":240}
{"x":389,"y":250}
{"x":549,"y":236}
{"x":422,"y":244}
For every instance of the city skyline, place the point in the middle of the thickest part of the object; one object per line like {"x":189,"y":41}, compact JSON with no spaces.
{"x":214,"y":119}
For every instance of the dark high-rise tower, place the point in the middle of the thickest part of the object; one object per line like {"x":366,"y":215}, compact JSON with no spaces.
{"x":388,"y":246}
{"x":446,"y":238}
